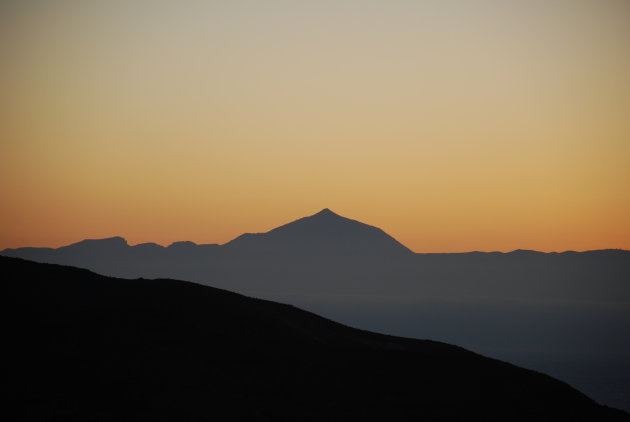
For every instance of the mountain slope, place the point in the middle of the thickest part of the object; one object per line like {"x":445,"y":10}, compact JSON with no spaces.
{"x":324,"y":233}
{"x":88,"y":347}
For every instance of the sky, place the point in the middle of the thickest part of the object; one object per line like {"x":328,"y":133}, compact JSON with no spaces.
{"x":452,"y":125}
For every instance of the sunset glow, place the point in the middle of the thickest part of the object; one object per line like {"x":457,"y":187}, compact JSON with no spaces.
{"x":452,"y":125}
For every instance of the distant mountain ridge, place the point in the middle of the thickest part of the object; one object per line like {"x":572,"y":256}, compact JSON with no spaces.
{"x":324,"y":232}
{"x":326,"y":253}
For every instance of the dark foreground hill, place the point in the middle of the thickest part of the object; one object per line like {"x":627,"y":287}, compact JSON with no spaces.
{"x":87,"y":347}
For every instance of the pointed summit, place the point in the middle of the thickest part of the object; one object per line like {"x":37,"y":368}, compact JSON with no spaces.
{"x":324,"y":233}
{"x":326,"y":212}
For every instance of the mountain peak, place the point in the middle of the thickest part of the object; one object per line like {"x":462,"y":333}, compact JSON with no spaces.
{"x":326,"y":212}
{"x":324,"y":233}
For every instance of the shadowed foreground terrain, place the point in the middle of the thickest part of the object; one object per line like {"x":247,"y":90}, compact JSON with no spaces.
{"x":92,"y":348}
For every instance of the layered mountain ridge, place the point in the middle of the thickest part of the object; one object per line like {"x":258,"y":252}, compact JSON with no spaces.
{"x":323,"y":232}
{"x":523,"y":306}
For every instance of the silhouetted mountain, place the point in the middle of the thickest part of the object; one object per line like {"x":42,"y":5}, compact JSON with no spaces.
{"x":569,"y":304}
{"x":328,"y":254}
{"x":323,"y":234}
{"x":87,"y":347}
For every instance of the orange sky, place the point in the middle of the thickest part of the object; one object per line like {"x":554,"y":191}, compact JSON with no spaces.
{"x":453,"y":125}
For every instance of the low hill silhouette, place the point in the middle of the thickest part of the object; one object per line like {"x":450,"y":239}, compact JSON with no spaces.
{"x":88,"y":347}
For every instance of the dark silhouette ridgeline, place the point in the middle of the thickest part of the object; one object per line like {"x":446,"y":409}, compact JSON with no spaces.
{"x":82,"y":346}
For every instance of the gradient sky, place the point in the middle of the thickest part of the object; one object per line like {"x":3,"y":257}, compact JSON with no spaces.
{"x":452,"y":125}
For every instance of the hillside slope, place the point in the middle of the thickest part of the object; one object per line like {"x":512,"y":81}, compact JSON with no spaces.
{"x":88,"y":347}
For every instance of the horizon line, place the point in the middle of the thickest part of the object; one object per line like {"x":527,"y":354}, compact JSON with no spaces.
{"x":326,"y":213}
{"x":166,"y":246}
